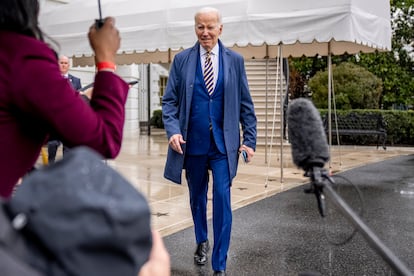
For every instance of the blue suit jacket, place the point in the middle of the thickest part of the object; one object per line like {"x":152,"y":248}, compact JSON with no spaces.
{"x":76,"y":82}
{"x":238,"y":107}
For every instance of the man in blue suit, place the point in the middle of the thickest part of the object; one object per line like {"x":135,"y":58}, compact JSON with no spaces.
{"x":203,"y":130}
{"x":54,"y":143}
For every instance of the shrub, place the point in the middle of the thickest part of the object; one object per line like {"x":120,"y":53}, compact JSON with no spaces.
{"x":156,"y":119}
{"x":354,"y":87}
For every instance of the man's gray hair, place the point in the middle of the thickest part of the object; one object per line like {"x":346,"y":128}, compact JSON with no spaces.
{"x":208,"y":10}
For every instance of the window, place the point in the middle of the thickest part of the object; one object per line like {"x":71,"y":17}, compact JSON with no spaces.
{"x":163,"y":85}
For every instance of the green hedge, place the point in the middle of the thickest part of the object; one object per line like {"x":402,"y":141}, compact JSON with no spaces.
{"x":400,"y":127}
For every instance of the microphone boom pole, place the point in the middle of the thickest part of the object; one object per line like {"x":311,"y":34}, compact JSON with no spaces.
{"x":326,"y":188}
{"x":310,"y":152}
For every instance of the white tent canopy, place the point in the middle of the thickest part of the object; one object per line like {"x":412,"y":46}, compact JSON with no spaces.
{"x":153,"y":31}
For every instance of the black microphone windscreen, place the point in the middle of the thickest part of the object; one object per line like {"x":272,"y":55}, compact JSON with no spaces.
{"x":306,"y":134}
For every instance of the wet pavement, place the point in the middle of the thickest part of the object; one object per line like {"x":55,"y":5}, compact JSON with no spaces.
{"x":285,"y":235}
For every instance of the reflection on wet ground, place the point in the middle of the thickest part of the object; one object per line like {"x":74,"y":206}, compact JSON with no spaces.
{"x":142,"y":160}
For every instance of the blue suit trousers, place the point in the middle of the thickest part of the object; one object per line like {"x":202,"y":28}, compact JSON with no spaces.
{"x":197,"y":174}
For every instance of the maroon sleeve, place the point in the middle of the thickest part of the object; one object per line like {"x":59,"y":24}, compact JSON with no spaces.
{"x":47,"y":96}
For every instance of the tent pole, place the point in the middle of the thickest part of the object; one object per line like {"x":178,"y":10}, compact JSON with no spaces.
{"x":149,"y":99}
{"x":266,"y":109}
{"x":169,"y":56}
{"x":281,"y":111}
{"x":273,"y":120}
{"x":329,"y":100}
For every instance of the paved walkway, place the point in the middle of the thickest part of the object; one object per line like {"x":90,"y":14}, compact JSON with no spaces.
{"x":142,"y":160}
{"x":284,"y":234}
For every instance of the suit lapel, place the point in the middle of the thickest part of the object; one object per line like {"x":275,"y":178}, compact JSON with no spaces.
{"x":190,"y":72}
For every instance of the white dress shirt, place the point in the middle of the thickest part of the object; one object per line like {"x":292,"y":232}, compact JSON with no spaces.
{"x":214,"y":55}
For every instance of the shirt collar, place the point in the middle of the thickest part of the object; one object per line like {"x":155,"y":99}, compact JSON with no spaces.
{"x":215,"y":50}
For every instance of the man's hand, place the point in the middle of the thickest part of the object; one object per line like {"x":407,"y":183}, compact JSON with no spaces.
{"x":248,"y":150}
{"x":175,"y":143}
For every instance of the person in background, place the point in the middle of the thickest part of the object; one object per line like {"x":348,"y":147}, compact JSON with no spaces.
{"x":30,"y":110}
{"x":64,"y":66}
{"x":206,"y":99}
{"x":54,"y":143}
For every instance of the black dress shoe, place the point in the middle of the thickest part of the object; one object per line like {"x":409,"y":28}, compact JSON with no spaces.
{"x":200,"y":256}
{"x":220,"y":272}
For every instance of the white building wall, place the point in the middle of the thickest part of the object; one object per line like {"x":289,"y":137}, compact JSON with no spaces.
{"x":130,"y":73}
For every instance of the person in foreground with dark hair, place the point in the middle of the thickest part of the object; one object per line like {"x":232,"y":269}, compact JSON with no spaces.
{"x":29,"y":81}
{"x":206,"y":100}
{"x":30,"y":112}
